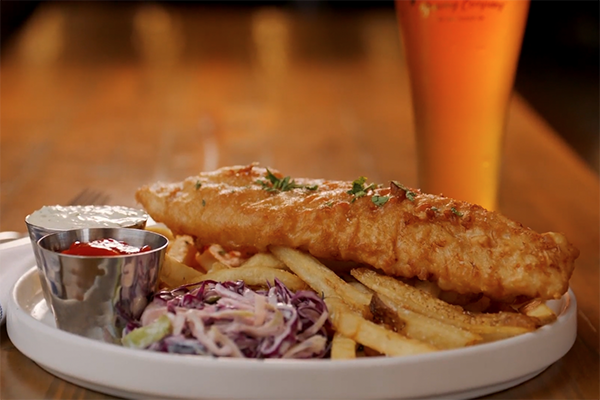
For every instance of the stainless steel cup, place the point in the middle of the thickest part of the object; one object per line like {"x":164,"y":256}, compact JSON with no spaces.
{"x":96,"y":296}
{"x":90,"y":216}
{"x":135,"y":219}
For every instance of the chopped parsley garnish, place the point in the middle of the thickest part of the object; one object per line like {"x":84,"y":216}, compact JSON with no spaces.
{"x":198,"y":185}
{"x":203,"y":202}
{"x":407,"y":192}
{"x":456,"y":212}
{"x":379,"y":200}
{"x":359,"y":189}
{"x":275,"y":184}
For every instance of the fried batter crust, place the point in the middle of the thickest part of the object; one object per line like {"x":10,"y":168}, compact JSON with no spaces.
{"x":461,"y":246}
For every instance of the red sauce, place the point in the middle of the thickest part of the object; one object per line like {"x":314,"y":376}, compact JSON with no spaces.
{"x":104,"y":247}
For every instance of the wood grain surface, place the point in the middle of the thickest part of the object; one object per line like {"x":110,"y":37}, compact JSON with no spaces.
{"x":112,"y":96}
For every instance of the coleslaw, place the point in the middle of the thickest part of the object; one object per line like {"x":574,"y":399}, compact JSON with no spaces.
{"x":228,"y":319}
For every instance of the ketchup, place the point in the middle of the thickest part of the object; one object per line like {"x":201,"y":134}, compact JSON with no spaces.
{"x":104,"y":247}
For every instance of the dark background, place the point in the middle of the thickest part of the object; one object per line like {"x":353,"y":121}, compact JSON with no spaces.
{"x":558,"y":71}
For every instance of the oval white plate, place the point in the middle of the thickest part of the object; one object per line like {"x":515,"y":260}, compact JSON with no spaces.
{"x":461,"y":373}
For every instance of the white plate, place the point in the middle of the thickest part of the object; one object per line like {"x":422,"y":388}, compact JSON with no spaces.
{"x":461,"y":373}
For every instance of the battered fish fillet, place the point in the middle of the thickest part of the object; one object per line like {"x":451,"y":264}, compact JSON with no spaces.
{"x":401,"y":231}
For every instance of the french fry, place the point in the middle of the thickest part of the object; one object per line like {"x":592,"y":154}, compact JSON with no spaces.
{"x":420,"y":327}
{"x":346,"y":314}
{"x":266,"y":260}
{"x":359,"y":286}
{"x":428,"y":287}
{"x":216,"y":254}
{"x":258,"y":276}
{"x":342,"y":348}
{"x":352,"y":325}
{"x":321,"y":278}
{"x":538,"y":310}
{"x":489,"y":326}
{"x":183,"y":249}
{"x":161,"y":229}
{"x":217,"y":266}
{"x":174,"y":273}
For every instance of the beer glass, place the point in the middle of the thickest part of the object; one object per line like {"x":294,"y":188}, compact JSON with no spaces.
{"x":462,"y":57}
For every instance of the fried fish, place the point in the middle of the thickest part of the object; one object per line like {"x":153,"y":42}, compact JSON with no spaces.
{"x":401,"y":231}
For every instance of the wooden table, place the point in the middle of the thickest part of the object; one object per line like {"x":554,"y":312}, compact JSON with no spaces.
{"x":114,"y":95}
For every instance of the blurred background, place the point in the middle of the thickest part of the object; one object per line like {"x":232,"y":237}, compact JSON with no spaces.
{"x":558,"y":70}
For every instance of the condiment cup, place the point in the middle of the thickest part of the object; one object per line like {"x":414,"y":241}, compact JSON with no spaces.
{"x":52,"y":219}
{"x":96,"y":296}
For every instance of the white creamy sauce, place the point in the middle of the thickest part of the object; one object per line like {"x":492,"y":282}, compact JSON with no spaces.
{"x":73,"y":217}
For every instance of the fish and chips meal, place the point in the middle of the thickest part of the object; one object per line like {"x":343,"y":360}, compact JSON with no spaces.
{"x":261,"y":265}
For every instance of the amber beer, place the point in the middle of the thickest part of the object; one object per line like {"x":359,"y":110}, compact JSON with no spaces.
{"x":462,"y":57}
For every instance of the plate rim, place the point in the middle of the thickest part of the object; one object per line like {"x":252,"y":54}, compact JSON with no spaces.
{"x":17,"y":316}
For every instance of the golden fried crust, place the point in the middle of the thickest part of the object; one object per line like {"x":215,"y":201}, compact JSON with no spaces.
{"x":461,"y":246}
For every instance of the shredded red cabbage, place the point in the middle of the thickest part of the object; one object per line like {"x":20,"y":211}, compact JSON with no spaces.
{"x":232,"y":320}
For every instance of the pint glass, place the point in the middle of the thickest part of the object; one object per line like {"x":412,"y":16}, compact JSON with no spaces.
{"x":462,"y":57}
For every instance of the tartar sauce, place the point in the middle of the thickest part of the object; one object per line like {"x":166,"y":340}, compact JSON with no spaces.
{"x":74,"y":217}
